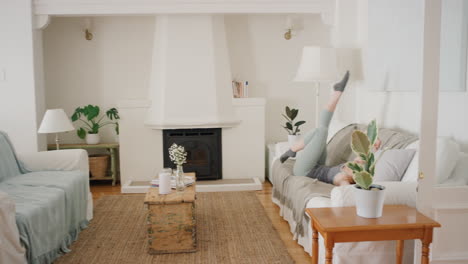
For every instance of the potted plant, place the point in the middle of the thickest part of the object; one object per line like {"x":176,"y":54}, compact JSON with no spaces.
{"x":92,"y":122}
{"x":291,"y":126}
{"x":369,"y":197}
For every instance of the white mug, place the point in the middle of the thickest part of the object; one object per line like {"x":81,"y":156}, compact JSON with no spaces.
{"x":164,"y":183}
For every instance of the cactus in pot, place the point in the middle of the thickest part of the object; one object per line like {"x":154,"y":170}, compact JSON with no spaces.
{"x":369,"y":196}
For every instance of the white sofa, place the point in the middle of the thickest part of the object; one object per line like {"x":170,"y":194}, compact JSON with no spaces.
{"x":65,"y":160}
{"x":452,"y":166}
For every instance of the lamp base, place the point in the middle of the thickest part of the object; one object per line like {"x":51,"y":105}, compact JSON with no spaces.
{"x":57,"y":140}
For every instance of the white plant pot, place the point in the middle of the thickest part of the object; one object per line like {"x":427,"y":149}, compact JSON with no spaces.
{"x":92,"y":139}
{"x":293,"y":139}
{"x":369,"y":203}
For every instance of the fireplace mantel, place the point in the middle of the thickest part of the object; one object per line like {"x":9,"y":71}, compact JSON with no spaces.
{"x":145,"y":104}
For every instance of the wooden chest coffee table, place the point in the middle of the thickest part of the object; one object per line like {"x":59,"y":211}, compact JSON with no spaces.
{"x":171,"y":220}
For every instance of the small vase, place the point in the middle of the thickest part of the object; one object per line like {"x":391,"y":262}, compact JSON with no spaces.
{"x":179,"y":176}
{"x":92,"y":139}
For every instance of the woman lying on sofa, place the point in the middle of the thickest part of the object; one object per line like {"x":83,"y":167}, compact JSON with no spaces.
{"x":313,"y":147}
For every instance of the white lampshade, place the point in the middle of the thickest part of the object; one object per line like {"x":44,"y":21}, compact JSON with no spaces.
{"x":317,"y":65}
{"x":55,"y":121}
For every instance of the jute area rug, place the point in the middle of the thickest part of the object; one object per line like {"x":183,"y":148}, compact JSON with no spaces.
{"x":232,"y":227}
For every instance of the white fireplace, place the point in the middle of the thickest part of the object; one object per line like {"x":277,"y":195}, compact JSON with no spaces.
{"x":191,"y":88}
{"x":243,"y":148}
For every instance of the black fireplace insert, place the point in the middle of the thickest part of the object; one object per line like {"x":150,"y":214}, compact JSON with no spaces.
{"x":203,"y":146}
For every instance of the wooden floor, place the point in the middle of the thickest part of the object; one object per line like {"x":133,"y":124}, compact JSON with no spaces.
{"x":295,"y":250}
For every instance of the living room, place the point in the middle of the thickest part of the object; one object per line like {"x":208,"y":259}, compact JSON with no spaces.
{"x":95,"y":94}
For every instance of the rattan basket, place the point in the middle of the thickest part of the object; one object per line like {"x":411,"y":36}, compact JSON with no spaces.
{"x":98,"y":165}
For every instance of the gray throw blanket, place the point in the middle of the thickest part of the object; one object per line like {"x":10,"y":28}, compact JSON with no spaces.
{"x":294,"y":192}
{"x":50,"y":205}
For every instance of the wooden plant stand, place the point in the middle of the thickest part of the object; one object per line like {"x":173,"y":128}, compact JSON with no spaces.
{"x":398,"y":222}
{"x":113,"y":148}
{"x":171,"y":221}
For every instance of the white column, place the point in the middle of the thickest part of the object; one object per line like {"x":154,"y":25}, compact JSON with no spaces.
{"x":18,"y":112}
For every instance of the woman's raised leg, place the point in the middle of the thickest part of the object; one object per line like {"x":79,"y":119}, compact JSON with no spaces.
{"x":317,"y":135}
{"x":315,"y":149}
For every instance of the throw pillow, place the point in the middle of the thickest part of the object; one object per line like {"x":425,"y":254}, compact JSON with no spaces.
{"x":411,"y":173}
{"x":448,"y":152}
{"x":392,"y":164}
{"x":459,"y":177}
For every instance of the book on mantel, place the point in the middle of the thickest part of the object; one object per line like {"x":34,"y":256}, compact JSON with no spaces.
{"x":240,"y":89}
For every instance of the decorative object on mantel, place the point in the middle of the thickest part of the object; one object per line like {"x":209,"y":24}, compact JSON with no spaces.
{"x":93,"y":122}
{"x":55,"y":121}
{"x":178,"y":155}
{"x":317,"y":65}
{"x":240,"y":89}
{"x":292,"y":127}
{"x":369,"y":197}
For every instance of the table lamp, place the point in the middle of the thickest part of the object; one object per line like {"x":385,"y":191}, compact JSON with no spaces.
{"x":55,"y":121}
{"x":317,"y":65}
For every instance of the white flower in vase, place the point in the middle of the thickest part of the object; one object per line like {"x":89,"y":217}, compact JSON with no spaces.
{"x":177,"y":154}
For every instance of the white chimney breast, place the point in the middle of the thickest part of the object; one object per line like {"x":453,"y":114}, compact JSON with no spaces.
{"x":191,"y":77}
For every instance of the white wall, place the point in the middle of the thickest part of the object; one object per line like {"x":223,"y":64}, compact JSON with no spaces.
{"x":40,"y":85}
{"x":113,"y":66}
{"x":18,"y":105}
{"x":261,"y":55}
{"x":453,"y":100}
{"x":453,"y":117}
{"x":402,"y":109}
{"x":374,"y":99}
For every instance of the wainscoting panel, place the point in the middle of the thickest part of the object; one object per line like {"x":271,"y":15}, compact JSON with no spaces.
{"x":451,"y":211}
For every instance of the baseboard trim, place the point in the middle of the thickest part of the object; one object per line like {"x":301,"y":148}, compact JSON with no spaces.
{"x":254,"y":184}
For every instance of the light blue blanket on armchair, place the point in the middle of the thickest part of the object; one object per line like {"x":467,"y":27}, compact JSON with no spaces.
{"x":50,"y":205}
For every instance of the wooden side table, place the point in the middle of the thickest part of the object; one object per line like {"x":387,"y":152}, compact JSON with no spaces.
{"x":112,"y":147}
{"x":342,"y":224}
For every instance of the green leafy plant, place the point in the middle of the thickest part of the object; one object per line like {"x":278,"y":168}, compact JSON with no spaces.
{"x":362,"y":144}
{"x":291,"y":126}
{"x":91,"y":120}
